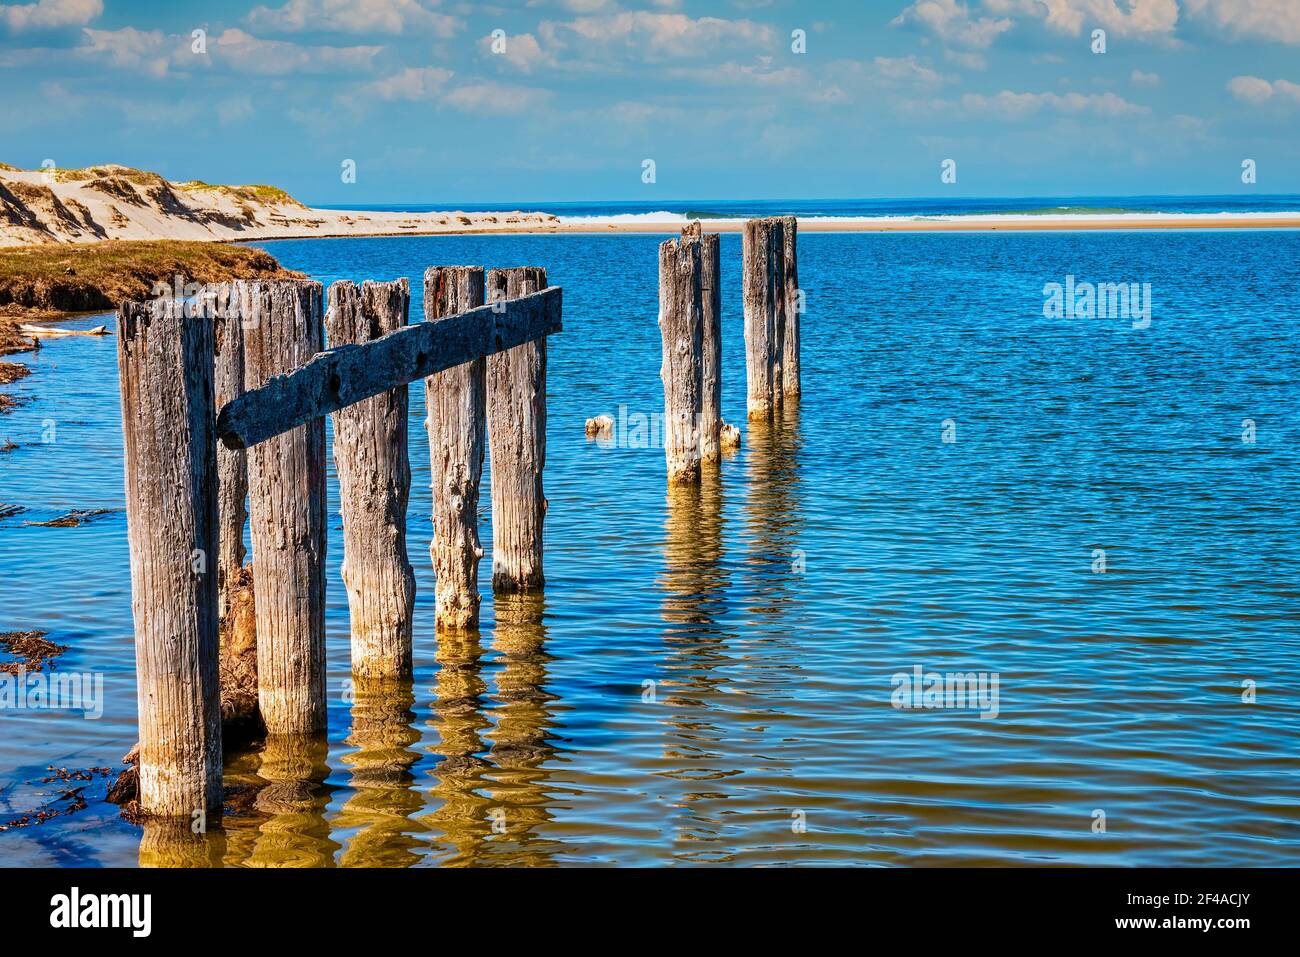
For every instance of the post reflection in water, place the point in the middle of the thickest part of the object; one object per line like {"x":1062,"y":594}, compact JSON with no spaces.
{"x":172,"y":842}
{"x":460,"y":821}
{"x":772,"y":508}
{"x":384,"y":798}
{"x":521,"y":740}
{"x":694,"y":582}
{"x":491,"y":807}
{"x":288,"y":827}
{"x":718,"y":721}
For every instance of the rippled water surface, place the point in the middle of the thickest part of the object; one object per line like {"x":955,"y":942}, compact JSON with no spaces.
{"x":842,"y":545}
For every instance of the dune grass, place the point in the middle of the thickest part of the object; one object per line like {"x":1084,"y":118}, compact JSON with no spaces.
{"x":40,"y":280}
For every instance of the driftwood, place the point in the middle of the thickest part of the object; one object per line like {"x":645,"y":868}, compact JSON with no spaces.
{"x":516,"y":396}
{"x":52,"y":331}
{"x":165,"y":368}
{"x":682,"y":334}
{"x":764,"y":293}
{"x":374,"y":472}
{"x":339,"y":377}
{"x":283,"y":329}
{"x":729,"y":438}
{"x":456,"y":400}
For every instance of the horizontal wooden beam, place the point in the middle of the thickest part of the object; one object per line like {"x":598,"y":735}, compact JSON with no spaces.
{"x":336,"y":378}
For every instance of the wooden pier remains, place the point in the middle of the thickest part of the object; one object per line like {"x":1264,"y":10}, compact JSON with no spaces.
{"x":791,"y":372}
{"x":457,"y":425}
{"x":516,"y":410}
{"x":284,"y":328}
{"x":681,"y":327}
{"x":772,"y":309}
{"x":165,"y":364}
{"x":232,"y":464}
{"x":169,"y":369}
{"x":374,"y":473}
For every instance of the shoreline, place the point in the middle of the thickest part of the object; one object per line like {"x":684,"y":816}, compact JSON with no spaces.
{"x":608,"y":227}
{"x":815,"y":224}
{"x":598,"y":227}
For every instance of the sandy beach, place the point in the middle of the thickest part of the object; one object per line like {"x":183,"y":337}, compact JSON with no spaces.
{"x":110,"y":202}
{"x":940,"y":225}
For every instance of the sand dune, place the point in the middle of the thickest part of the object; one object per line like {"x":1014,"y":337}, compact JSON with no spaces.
{"x":117,"y":202}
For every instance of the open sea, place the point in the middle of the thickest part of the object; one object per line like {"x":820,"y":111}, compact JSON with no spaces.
{"x":668,"y":211}
{"x":1098,"y":514}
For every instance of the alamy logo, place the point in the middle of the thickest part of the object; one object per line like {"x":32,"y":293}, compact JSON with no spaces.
{"x":73,"y":910}
{"x":1103,"y":300}
{"x":923,"y":689}
{"x":35,"y":691}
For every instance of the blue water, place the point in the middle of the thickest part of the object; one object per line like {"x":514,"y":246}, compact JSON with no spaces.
{"x":854,"y":208}
{"x":842,"y":545}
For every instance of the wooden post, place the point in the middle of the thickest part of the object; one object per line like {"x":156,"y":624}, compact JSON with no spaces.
{"x":286,"y":479}
{"x":711,"y":352}
{"x":165,"y":364}
{"x":232,"y":465}
{"x":764,"y":292}
{"x":790,"y":372}
{"x":516,"y":399}
{"x":374,"y":472}
{"x":456,"y":400}
{"x":682,"y":334}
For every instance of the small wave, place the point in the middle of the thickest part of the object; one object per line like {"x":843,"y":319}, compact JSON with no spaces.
{"x":662,"y":216}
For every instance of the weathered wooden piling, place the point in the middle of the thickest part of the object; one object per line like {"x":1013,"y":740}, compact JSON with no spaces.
{"x":165,"y":363}
{"x":374,"y":473}
{"x":790,"y":371}
{"x":232,"y":464}
{"x":711,"y":351}
{"x":457,"y":425}
{"x":681,"y":327}
{"x":287,"y":504}
{"x":516,"y":402}
{"x":764,"y":294}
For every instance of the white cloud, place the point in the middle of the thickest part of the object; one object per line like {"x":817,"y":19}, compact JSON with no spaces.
{"x":129,"y":48}
{"x":49,"y":14}
{"x":906,"y":68}
{"x":492,"y":97}
{"x":966,"y":58}
{"x":1252,"y":89}
{"x":652,"y":37}
{"x":354,"y":16}
{"x":245,"y":53}
{"x":522,"y":51}
{"x":1145,"y":79}
{"x":753,"y":76}
{"x":157,"y":53}
{"x":1011,"y":105}
{"x":413,"y":83}
{"x":953,"y":22}
{"x":1261,"y":19}
{"x":1136,"y":18}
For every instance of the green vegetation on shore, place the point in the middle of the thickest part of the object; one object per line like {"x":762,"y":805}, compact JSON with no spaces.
{"x":39,"y":283}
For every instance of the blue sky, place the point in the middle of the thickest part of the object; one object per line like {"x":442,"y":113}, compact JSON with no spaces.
{"x":585,"y":90}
